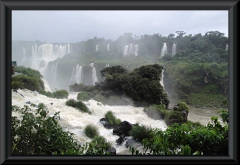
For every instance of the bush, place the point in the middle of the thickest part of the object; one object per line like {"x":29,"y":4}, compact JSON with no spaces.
{"x":39,"y":134}
{"x":31,"y":83}
{"x":83,"y":96}
{"x":174,"y":117}
{"x":91,"y":131}
{"x":141,"y":132}
{"x":112,"y":119}
{"x":78,"y":104}
{"x":27,"y":71}
{"x":98,"y":146}
{"x":60,"y":94}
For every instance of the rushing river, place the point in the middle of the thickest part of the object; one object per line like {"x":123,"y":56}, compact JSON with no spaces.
{"x":75,"y":121}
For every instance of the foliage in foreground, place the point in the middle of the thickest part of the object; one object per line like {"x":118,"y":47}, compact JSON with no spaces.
{"x":141,"y":132}
{"x":187,"y":139}
{"x":36,"y":133}
{"x":78,"y":104}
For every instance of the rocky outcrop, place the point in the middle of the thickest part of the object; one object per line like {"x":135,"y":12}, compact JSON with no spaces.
{"x":106,"y":124}
{"x":123,"y":128}
{"x":112,"y":151}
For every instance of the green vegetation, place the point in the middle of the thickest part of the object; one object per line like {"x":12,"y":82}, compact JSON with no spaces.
{"x":141,"y":132}
{"x":84,"y":96}
{"x":78,"y":104}
{"x":60,"y":94}
{"x":112,"y":118}
{"x":187,"y":139}
{"x":91,"y":131}
{"x":98,"y":146}
{"x":142,"y":85}
{"x":27,"y":71}
{"x":31,"y":83}
{"x":39,"y":134}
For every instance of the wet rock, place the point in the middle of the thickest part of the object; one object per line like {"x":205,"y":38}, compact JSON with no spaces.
{"x":112,"y":151}
{"x":28,"y":102}
{"x":123,"y":128}
{"x":21,"y":95}
{"x":120,"y":140}
{"x":105,"y":123}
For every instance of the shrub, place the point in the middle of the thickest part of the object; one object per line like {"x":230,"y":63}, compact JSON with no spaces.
{"x":141,"y":132}
{"x":27,"y":71}
{"x":112,"y":119}
{"x":98,"y":146}
{"x":39,"y":134}
{"x":31,"y":83}
{"x":78,"y":104}
{"x":174,"y":117}
{"x":83,"y":96}
{"x":91,"y":131}
{"x":60,"y":94}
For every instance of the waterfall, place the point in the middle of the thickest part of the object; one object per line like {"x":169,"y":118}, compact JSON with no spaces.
{"x":164,"y":50}
{"x":94,"y":76}
{"x":97,"y":47}
{"x":24,"y":55}
{"x":130,"y":49}
{"x":125,"y":52}
{"x":161,"y":81}
{"x":54,"y":75}
{"x":76,"y":75}
{"x":136,"y":50}
{"x":107,"y":65}
{"x":174,"y":49}
{"x":45,"y":50}
{"x":226,"y":47}
{"x":108,"y":48}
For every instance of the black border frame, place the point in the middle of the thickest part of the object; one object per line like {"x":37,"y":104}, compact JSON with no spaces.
{"x":6,"y":6}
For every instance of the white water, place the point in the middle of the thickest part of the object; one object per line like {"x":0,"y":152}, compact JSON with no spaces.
{"x":164,"y":50}
{"x":161,"y":81}
{"x":75,"y":121}
{"x":94,"y":76}
{"x":97,"y":47}
{"x":108,"y":48}
{"x":136,"y":50}
{"x":125,"y":51}
{"x":76,"y":75}
{"x":174,"y":49}
{"x":24,"y":55}
{"x":226,"y":47}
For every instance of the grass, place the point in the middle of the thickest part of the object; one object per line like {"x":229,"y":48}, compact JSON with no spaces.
{"x":78,"y":104}
{"x":112,"y":118}
{"x":91,"y":131}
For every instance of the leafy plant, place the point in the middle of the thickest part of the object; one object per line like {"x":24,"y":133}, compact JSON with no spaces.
{"x":91,"y":131}
{"x":78,"y":104}
{"x":112,"y":118}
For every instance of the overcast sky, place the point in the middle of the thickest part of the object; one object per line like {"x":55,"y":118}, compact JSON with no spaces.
{"x":76,"y":26}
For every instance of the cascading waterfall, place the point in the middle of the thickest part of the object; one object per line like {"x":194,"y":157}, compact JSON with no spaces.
{"x":107,"y":65}
{"x":97,"y":47}
{"x":136,"y":50}
{"x":226,"y":47}
{"x":24,"y":55}
{"x":125,"y":52}
{"x":108,"y":47}
{"x":75,"y":121}
{"x":130,"y":49}
{"x":76,"y":75}
{"x":174,"y":49}
{"x":54,"y":74}
{"x":161,"y":81}
{"x":164,"y":50}
{"x":94,"y":76}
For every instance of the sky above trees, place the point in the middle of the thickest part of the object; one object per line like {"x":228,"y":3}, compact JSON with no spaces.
{"x":75,"y":26}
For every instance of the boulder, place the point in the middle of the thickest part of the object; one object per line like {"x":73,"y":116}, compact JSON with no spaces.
{"x":120,"y":139}
{"x":105,"y":123}
{"x":112,"y":151}
{"x":123,"y":128}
